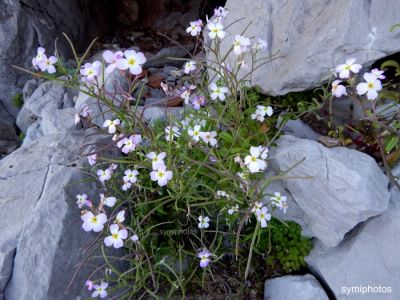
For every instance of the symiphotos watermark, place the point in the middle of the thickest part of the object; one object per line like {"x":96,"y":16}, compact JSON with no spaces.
{"x":366,"y":289}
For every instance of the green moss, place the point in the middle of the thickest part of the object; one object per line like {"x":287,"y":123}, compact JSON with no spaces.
{"x":18,"y":100}
{"x":286,"y":247}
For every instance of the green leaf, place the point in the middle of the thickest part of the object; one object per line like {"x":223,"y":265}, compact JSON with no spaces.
{"x":390,"y":63}
{"x":391,"y":144}
{"x":394,"y":27}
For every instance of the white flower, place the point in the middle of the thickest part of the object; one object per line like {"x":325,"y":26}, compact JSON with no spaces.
{"x":220,"y":194}
{"x":338,"y":90}
{"x":203,"y":222}
{"x":209,"y":137}
{"x":195,"y":132}
{"x":109,"y":201}
{"x":204,"y":258}
{"x":263,"y":216}
{"x":371,"y":86}
{"x":130,"y":176}
{"x":39,"y":58}
{"x":157,"y":160}
{"x":100,"y":290}
{"x":162,"y":175}
{"x":216,"y":30}
{"x":189,"y":67}
{"x":220,"y":12}
{"x":260,"y":45}
{"x":345,"y":69}
{"x":92,"y":222}
{"x":117,"y":236}
{"x":81,"y":200}
{"x":112,"y":125}
{"x":185,"y":95}
{"x":233,"y":209}
{"x":240,"y":44}
{"x":127,"y":185}
{"x":135,"y":238}
{"x":111,"y":58}
{"x":255,"y":161}
{"x":90,"y":71}
{"x":378,"y":73}
{"x":261,"y":112}
{"x":171,"y":132}
{"x":120,"y":218}
{"x":280,"y":201}
{"x":218,"y":92}
{"x":265,"y":110}
{"x":113,"y":167}
{"x":133,"y":62}
{"x":195,"y":28}
{"x":47,"y":64}
{"x":104,"y":174}
{"x":257,"y":206}
{"x":92,"y":159}
{"x":131,"y":143}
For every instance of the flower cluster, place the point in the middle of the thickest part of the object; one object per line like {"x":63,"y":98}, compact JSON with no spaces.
{"x":261,"y":112}
{"x":370,"y":87}
{"x":160,"y":172}
{"x":44,"y":63}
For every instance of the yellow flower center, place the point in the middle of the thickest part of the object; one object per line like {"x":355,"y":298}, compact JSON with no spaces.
{"x":115,"y":236}
{"x":94,"y":220}
{"x":131,"y":61}
{"x":253,"y":158}
{"x":160,"y":174}
{"x":370,"y":85}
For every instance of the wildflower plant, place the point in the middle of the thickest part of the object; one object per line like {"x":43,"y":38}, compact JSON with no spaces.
{"x":378,"y":103}
{"x":183,"y":191}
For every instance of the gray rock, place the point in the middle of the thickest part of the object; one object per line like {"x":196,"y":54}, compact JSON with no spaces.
{"x":154,"y":113}
{"x":48,"y":95}
{"x":367,"y":258}
{"x":33,"y":133}
{"x":294,"y":288}
{"x":25,"y":25}
{"x":41,"y":219}
{"x":58,"y":120}
{"x":310,"y":37}
{"x":163,"y":57}
{"x":336,"y":188}
{"x":29,"y":87}
{"x":115,"y":86}
{"x":7,"y":253}
{"x":299,"y":129}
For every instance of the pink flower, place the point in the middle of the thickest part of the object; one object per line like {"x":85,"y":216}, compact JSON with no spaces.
{"x":112,"y":58}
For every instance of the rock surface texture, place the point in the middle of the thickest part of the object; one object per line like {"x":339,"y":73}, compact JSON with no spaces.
{"x":25,"y":25}
{"x":39,"y":220}
{"x":294,"y":288}
{"x":335,"y":188}
{"x":367,"y":258}
{"x":310,"y":37}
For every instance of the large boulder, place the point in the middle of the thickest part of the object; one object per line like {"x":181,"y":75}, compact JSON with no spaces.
{"x":39,"y":220}
{"x":294,"y":288}
{"x":366,"y":265}
{"x":308,"y":38}
{"x":25,"y":25}
{"x":335,"y":188}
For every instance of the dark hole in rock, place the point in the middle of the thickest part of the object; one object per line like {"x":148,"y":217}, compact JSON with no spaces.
{"x":139,"y":22}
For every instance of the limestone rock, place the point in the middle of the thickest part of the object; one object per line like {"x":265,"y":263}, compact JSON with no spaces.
{"x":368,"y":257}
{"x":294,"y":288}
{"x":336,"y":188}
{"x":308,"y":38}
